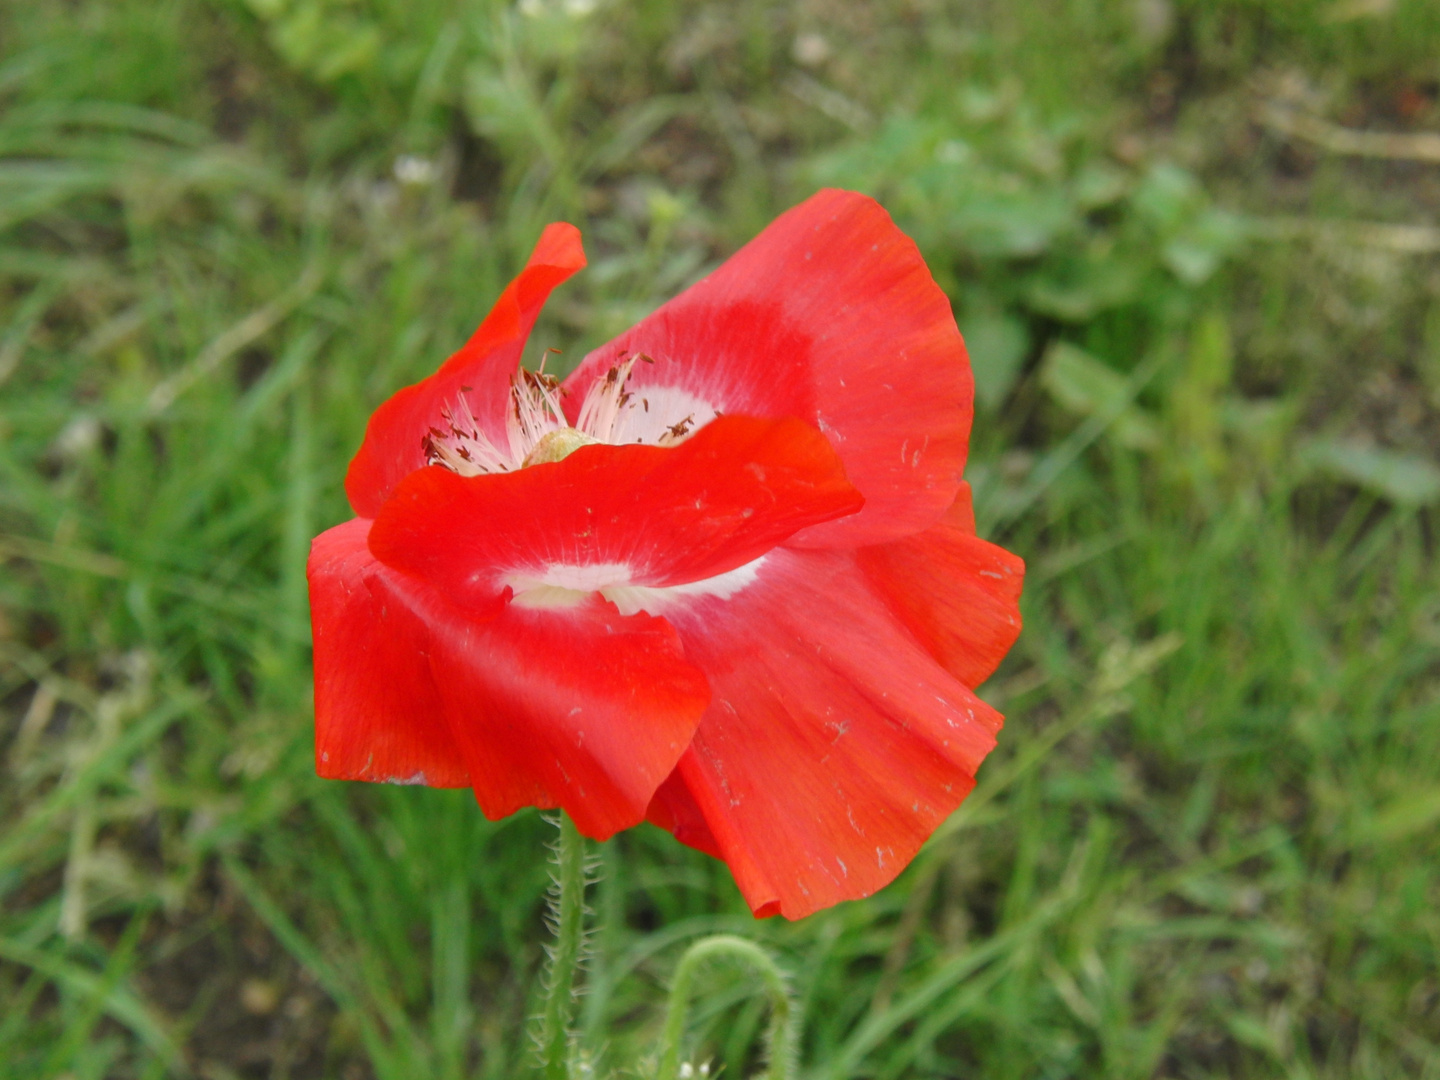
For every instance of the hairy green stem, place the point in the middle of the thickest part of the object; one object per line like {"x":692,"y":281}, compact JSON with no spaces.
{"x":779,"y":1039}
{"x":568,"y":913}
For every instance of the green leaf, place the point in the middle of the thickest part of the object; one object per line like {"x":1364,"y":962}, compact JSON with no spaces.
{"x":997,"y":344}
{"x":1406,"y":479}
{"x":1402,"y":818}
{"x":1085,"y":386}
{"x":1168,"y":195}
{"x":1202,"y":245}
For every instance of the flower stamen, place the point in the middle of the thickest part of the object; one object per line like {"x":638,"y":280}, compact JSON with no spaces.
{"x":537,"y":431}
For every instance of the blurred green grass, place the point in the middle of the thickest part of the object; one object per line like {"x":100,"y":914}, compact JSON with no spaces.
{"x":1208,"y":356}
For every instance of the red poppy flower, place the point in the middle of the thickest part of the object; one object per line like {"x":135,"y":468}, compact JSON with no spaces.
{"x":724,"y":577}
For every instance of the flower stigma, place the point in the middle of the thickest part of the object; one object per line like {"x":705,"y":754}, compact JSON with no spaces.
{"x":557,"y":445}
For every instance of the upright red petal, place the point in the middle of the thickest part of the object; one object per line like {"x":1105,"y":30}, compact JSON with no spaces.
{"x":958,"y":594}
{"x":655,"y":515}
{"x":378,"y":715}
{"x":833,"y":745}
{"x":481,"y":370}
{"x":831,"y":315}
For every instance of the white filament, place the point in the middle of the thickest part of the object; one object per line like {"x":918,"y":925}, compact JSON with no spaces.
{"x":611,"y":413}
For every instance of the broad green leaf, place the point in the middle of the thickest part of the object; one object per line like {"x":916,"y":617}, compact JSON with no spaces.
{"x":1407,"y":479}
{"x":997,"y":344}
{"x":1085,"y":386}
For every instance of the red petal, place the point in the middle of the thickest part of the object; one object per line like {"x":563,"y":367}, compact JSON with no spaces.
{"x":674,"y":809}
{"x":830,"y":315}
{"x":962,"y":511}
{"x":377,"y":713}
{"x":672,"y":515}
{"x":481,"y":369}
{"x":833,"y":745}
{"x":958,"y":594}
{"x":580,"y":707}
{"x":577,"y":707}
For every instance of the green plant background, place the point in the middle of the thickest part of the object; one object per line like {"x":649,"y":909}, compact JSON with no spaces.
{"x":1207,"y":350}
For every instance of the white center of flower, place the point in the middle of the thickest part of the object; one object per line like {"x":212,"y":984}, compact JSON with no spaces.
{"x":563,"y":586}
{"x":536,"y":430}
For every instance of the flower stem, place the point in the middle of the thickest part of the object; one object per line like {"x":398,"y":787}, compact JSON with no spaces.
{"x":779,"y":1039}
{"x":568,"y":914}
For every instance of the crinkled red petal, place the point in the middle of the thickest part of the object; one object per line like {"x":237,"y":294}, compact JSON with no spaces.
{"x":577,"y":707}
{"x":481,"y":370}
{"x":833,"y":745}
{"x":672,"y":515}
{"x":377,"y":712}
{"x":958,"y":594}
{"x":830,"y":314}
